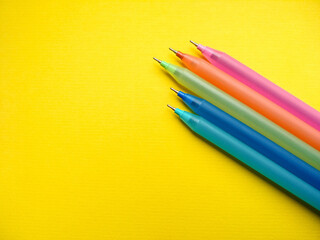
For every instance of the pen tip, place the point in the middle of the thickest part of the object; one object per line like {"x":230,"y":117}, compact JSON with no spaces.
{"x":173,"y":108}
{"x":173,"y":50}
{"x":196,"y":44}
{"x":176,"y":91}
{"x":159,"y":61}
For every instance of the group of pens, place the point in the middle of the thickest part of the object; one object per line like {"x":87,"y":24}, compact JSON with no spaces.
{"x":251,"y":118}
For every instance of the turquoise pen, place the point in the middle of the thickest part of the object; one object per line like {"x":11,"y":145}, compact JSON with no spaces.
{"x":251,"y":158}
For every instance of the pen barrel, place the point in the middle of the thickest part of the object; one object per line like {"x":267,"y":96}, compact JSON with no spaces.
{"x":255,"y":160}
{"x":246,"y":115}
{"x":253,"y":139}
{"x":263,"y":86}
{"x":254,"y":100}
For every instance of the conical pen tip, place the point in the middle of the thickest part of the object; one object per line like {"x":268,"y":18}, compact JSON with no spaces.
{"x":159,"y":61}
{"x":173,"y":50}
{"x":196,"y":44}
{"x":173,"y":108}
{"x":176,"y":91}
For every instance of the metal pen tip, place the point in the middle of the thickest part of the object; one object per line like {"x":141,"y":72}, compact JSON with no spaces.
{"x":173,"y":108}
{"x":159,"y":61}
{"x":173,"y":50}
{"x":196,"y":44}
{"x":176,"y":91}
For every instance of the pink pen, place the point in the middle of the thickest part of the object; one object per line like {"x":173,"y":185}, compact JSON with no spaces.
{"x":262,"y":85}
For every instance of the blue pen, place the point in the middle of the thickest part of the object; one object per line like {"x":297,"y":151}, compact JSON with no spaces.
{"x":252,"y":138}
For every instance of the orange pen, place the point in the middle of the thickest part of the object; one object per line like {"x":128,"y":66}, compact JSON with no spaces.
{"x":251,"y":98}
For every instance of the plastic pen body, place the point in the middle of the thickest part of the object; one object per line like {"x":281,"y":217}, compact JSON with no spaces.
{"x":243,"y":113}
{"x":262,"y":85}
{"x":253,"y":139}
{"x":252,"y":99}
{"x":252,"y":158}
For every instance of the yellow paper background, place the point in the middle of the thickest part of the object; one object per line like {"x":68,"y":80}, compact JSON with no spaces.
{"x":88,"y":149}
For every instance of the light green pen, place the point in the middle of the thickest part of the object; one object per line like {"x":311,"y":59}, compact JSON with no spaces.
{"x":243,"y":113}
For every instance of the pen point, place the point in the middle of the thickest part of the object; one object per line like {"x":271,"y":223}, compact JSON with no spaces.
{"x":196,"y":44}
{"x":173,"y":50}
{"x":176,"y":91}
{"x":159,"y":61}
{"x":173,"y":108}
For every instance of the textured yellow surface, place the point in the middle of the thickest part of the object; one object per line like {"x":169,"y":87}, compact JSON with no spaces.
{"x":88,"y":147}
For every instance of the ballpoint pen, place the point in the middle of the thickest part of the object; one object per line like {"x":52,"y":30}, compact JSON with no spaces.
{"x":251,"y":158}
{"x":243,"y":113}
{"x":262,"y":85}
{"x":252,"y":138}
{"x":252,"y":99}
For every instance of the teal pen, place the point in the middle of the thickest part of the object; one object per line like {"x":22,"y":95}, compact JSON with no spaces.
{"x":251,"y":158}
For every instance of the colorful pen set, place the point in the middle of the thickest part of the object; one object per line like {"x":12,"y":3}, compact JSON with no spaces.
{"x":249,"y":125}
